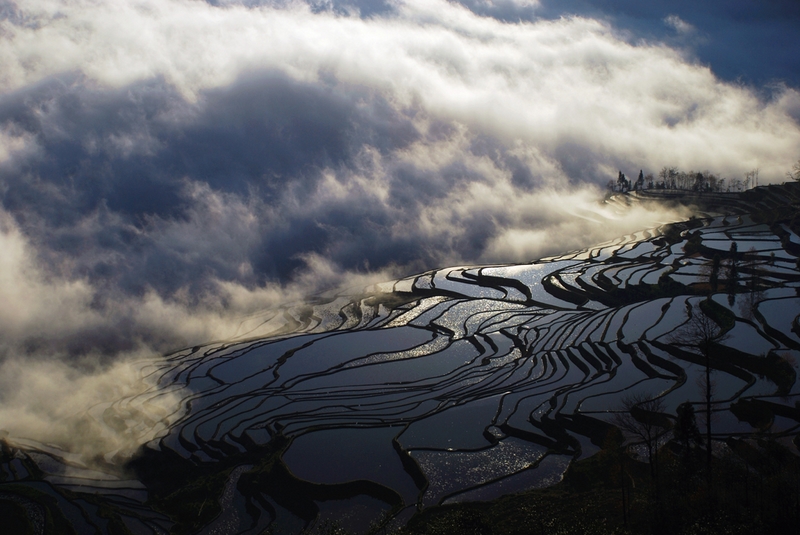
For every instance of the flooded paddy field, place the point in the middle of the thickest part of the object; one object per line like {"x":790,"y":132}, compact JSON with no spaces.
{"x":459,"y":384}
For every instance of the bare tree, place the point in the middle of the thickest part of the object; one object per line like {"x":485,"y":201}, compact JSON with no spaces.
{"x":669,"y":175}
{"x":794,"y":174}
{"x":711,"y":270}
{"x":750,"y":177}
{"x":702,"y":333}
{"x":755,"y":293}
{"x":686,"y":432}
{"x":643,"y":420}
{"x":733,"y":273}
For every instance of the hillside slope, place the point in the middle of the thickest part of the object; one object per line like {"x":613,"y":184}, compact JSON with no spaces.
{"x":455,"y":385}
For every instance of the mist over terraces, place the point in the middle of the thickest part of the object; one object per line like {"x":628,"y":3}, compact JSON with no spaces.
{"x":370,"y":411}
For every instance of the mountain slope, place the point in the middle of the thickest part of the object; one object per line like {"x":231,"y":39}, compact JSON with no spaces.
{"x":459,"y":384}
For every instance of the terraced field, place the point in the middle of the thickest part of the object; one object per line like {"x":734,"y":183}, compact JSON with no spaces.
{"x":459,"y":384}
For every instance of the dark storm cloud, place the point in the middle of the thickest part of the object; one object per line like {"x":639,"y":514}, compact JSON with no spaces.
{"x":90,"y":146}
{"x":126,"y":156}
{"x":267,"y":129}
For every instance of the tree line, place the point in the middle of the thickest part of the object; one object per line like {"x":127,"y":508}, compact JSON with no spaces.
{"x":672,"y":178}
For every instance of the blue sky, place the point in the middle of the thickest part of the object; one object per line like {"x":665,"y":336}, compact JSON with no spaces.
{"x":751,"y":41}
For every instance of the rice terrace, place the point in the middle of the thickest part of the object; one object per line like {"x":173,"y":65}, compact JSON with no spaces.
{"x":477,"y":399}
{"x":399,"y":267}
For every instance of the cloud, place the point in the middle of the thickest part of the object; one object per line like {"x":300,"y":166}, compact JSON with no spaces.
{"x":570,"y":219}
{"x":678,"y":24}
{"x":74,"y":409}
{"x":47,"y":315}
{"x":169,"y":168}
{"x":541,"y":82}
{"x":504,"y":10}
{"x":70,"y":351}
{"x":169,"y":144}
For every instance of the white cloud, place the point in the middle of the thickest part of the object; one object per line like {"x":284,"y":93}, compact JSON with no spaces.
{"x":575,"y":219}
{"x":678,"y":24}
{"x":76,"y":410}
{"x":545,"y":83}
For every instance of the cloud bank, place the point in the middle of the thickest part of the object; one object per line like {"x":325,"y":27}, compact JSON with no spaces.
{"x":169,"y":167}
